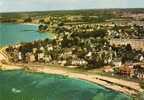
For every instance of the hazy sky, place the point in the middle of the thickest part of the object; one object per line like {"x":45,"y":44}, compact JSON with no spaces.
{"x":38,"y":5}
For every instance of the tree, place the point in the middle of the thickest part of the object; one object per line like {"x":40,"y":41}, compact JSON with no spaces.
{"x":128,"y":47}
{"x":43,"y":27}
{"x":61,"y":24}
{"x":28,"y":20}
{"x":40,"y":27}
{"x":41,"y":21}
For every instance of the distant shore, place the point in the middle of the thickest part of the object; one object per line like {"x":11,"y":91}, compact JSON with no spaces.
{"x":126,"y":87}
{"x":30,"y":24}
{"x":27,"y":23}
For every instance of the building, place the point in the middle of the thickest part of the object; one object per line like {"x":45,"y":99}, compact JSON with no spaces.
{"x":117,"y":62}
{"x":135,"y":43}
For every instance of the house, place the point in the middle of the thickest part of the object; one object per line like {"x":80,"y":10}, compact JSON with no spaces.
{"x":78,"y":62}
{"x":49,"y":48}
{"x":34,"y":50}
{"x":117,"y":62}
{"x":32,"y":58}
{"x":89,"y":54}
{"x":41,"y":48}
{"x":139,"y":71}
{"x":62,"y":62}
{"x":19,"y":56}
{"x":47,"y":58}
{"x":141,"y":57}
{"x":40,"y":56}
{"x":108,"y":69}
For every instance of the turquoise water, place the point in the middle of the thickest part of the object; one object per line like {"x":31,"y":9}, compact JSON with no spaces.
{"x":20,"y":85}
{"x":15,"y":33}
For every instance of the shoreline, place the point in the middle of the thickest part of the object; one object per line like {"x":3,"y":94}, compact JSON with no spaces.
{"x":49,"y":35}
{"x":121,"y":86}
{"x":34,"y":24}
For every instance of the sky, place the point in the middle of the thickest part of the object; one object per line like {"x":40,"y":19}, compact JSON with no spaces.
{"x":42,"y":5}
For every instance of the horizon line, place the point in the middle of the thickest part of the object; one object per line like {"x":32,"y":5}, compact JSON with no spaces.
{"x":66,"y":10}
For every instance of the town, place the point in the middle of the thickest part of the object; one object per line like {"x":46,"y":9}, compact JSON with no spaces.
{"x":109,"y":40}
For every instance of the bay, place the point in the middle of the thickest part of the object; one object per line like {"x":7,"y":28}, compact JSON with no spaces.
{"x":21,"y":85}
{"x":11,"y":33}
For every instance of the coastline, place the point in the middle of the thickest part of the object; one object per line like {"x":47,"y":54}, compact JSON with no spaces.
{"x":30,"y":24}
{"x":126,"y":87}
{"x":47,"y":34}
{"x":35,"y":24}
{"x":122,"y":86}
{"x":106,"y":47}
{"x":118,"y":85}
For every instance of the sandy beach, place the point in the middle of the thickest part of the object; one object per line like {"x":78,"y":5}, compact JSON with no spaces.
{"x":127,"y":87}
